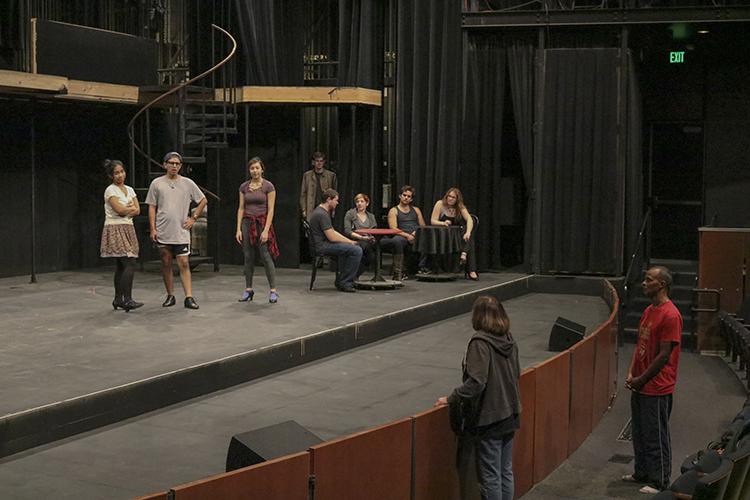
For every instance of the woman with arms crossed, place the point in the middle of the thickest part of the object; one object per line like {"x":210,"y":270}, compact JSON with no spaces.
{"x":119,"y":240}
{"x":255,"y":228}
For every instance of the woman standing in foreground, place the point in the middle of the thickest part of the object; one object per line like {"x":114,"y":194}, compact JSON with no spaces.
{"x":490,"y":374}
{"x":257,"y":204}
{"x":119,"y":240}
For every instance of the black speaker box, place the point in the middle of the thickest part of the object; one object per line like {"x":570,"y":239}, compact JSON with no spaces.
{"x":565,"y":334}
{"x":267,"y":443}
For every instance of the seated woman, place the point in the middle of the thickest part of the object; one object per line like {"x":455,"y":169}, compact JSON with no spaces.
{"x":359,"y":218}
{"x":451,"y":211}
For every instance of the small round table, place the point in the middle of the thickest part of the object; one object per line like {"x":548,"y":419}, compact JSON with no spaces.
{"x":440,"y":242}
{"x":378,"y":282}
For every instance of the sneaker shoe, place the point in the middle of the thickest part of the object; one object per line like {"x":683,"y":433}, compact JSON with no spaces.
{"x":630,"y":478}
{"x":649,"y":490}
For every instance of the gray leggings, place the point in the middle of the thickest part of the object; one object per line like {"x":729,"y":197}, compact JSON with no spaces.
{"x":249,"y":251}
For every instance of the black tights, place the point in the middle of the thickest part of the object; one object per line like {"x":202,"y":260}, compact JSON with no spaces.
{"x":124,"y":277}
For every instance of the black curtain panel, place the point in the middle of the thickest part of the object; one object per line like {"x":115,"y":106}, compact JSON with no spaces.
{"x":481,"y":159}
{"x":360,"y":154}
{"x":634,"y":210}
{"x":581,"y":180}
{"x":428,"y":97}
{"x":520,"y":56}
{"x":361,"y":43}
{"x":272,"y":41}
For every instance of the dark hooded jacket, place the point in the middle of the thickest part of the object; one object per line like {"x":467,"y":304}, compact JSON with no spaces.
{"x":491,"y":365}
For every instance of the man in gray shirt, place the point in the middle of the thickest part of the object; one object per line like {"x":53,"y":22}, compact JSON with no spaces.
{"x":168,"y":199}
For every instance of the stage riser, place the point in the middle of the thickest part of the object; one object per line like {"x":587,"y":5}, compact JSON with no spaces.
{"x":35,"y":427}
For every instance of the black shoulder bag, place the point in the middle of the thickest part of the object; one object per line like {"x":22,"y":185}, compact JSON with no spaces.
{"x":463,"y":413}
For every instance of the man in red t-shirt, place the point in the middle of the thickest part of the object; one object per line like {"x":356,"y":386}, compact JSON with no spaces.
{"x":652,"y":377}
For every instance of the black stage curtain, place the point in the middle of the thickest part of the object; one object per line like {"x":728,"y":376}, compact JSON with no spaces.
{"x":634,"y":153}
{"x":481,"y":159}
{"x":361,"y":43}
{"x":272,"y":41}
{"x":360,"y":155}
{"x":521,"y":71}
{"x":428,"y":98}
{"x":581,"y":180}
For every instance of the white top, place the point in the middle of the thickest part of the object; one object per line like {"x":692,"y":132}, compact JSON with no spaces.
{"x":112,"y":217}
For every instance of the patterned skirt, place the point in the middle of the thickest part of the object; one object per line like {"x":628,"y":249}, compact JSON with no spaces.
{"x":119,"y":240}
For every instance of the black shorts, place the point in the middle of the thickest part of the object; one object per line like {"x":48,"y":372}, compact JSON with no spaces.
{"x":178,"y":250}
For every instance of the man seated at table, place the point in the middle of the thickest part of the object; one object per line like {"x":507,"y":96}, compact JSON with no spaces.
{"x":406,"y":218}
{"x":330,"y":242}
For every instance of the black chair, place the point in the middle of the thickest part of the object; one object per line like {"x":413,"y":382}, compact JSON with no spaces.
{"x":475,"y":220}
{"x":317,"y":260}
{"x":698,"y":485}
{"x":738,"y":486}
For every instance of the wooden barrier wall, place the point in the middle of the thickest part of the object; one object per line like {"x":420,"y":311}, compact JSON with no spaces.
{"x":372,"y":464}
{"x":562,"y":398}
{"x":285,"y":478}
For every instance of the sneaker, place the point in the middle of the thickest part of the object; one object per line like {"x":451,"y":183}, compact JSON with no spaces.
{"x":649,"y":490}
{"x":630,"y":478}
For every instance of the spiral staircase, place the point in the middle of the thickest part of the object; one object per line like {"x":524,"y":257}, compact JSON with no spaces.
{"x":193,"y":116}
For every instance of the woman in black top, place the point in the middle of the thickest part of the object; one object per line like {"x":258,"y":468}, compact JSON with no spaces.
{"x":451,"y":211}
{"x":360,"y":218}
{"x":490,"y":373}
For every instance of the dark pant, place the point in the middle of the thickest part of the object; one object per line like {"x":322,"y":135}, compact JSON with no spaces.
{"x":651,"y":442}
{"x":400,"y":245}
{"x":249,"y":252}
{"x":349,"y":257}
{"x":124,"y":277}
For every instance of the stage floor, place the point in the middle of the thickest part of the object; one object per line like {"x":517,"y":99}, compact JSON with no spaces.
{"x":62,"y":339}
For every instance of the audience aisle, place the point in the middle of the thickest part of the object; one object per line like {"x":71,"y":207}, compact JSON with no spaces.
{"x":707,"y":398}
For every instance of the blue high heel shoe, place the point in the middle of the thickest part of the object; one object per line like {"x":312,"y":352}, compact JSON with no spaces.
{"x":273,"y":297}
{"x":247,"y":295}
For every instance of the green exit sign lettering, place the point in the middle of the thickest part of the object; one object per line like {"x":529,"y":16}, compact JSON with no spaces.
{"x":677,"y":57}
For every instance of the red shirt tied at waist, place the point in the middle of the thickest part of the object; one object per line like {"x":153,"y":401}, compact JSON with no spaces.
{"x":662,"y":323}
{"x":252,"y":232}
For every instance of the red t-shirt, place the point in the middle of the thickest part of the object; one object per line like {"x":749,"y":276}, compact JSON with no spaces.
{"x":662,"y":323}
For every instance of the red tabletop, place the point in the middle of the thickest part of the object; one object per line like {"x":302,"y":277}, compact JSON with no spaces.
{"x":377,"y":231}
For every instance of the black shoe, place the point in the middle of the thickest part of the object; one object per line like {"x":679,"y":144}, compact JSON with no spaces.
{"x":348,"y":289}
{"x":130,"y":304}
{"x":169,"y":302}
{"x":117,"y":302}
{"x":190,"y":303}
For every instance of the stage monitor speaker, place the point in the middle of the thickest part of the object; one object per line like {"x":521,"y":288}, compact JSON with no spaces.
{"x":267,"y":443}
{"x":565,"y":334}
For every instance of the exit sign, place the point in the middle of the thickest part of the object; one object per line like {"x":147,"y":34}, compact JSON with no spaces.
{"x":677,"y":57}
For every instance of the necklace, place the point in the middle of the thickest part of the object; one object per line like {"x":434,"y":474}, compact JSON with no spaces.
{"x":252,"y":186}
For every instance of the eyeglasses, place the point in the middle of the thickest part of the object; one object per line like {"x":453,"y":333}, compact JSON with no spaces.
{"x":174,"y":163}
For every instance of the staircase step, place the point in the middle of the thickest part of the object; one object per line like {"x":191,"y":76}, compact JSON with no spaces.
{"x":199,"y":128}
{"x":630,"y":335}
{"x":210,"y":116}
{"x":207,"y":144}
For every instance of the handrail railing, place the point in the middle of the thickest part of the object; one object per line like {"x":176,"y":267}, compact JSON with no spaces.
{"x":131,"y":124}
{"x":633,"y":258}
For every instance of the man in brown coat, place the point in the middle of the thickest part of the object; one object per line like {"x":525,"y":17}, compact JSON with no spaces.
{"x":314,"y":182}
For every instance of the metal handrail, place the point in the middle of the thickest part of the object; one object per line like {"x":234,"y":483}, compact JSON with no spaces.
{"x":131,"y":124}
{"x":636,"y":251}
